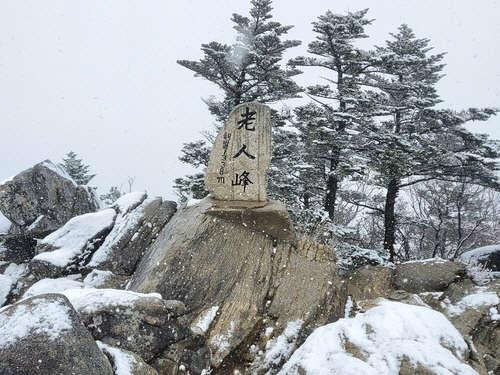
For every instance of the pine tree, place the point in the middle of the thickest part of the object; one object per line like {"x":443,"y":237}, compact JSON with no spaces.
{"x":414,"y":142}
{"x":76,"y":169}
{"x":246,"y":71}
{"x":338,"y":107}
{"x":111,"y":196}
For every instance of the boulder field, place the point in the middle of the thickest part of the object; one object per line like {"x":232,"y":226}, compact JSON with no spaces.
{"x":143,"y":288}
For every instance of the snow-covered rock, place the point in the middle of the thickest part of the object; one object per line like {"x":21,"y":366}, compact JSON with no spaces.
{"x":474,"y":311}
{"x":70,"y":247}
{"x":41,"y":199}
{"x":142,"y":323}
{"x":138,"y":222}
{"x":430,"y":275}
{"x":43,"y":335}
{"x":391,"y":338}
{"x":5,"y":224}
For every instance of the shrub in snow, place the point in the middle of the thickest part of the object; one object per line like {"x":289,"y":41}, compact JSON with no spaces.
{"x":352,"y":256}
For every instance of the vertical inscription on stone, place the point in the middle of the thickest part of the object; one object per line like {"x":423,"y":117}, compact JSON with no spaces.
{"x":239,"y":161}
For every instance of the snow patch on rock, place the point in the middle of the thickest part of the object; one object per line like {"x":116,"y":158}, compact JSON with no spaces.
{"x":122,"y":362}
{"x":92,"y":300}
{"x":5,"y":224}
{"x":97,"y":278}
{"x":42,"y":317}
{"x":481,"y":297}
{"x":375,"y":342}
{"x":74,"y":236}
{"x":53,"y":286}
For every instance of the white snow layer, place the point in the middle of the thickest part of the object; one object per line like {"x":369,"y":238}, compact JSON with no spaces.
{"x":74,"y":236}
{"x":97,"y":278}
{"x":384,"y":335}
{"x":481,"y":297}
{"x":282,"y":346}
{"x":5,"y":224}
{"x":42,"y":317}
{"x":9,"y":280}
{"x":125,"y":220}
{"x":91,"y":300}
{"x":53,"y":286}
{"x":122,"y":362}
{"x":129,"y":201}
{"x":6,"y":284}
{"x":206,"y":318}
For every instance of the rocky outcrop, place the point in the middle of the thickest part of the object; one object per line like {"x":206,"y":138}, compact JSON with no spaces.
{"x":69,"y":248}
{"x":41,"y":199}
{"x":138,"y":222}
{"x":474,"y":311}
{"x":43,"y":335}
{"x":143,"y":324}
{"x":367,"y":283}
{"x":242,"y":286}
{"x":431,"y":275}
{"x":113,"y":239}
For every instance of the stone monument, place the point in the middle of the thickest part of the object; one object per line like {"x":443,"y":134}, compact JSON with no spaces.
{"x":240,"y":157}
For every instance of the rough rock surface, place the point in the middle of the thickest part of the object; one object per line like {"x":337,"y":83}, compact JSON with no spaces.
{"x":145,"y":325}
{"x":473,"y":310}
{"x":432,"y":275}
{"x":113,"y":239}
{"x":17,"y":248}
{"x":236,"y":282}
{"x":135,"y":229}
{"x":240,"y":157}
{"x":367,"y":283}
{"x":43,"y":335}
{"x":68,"y":249}
{"x":41,"y":199}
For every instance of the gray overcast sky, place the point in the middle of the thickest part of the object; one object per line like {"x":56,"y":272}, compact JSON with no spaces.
{"x":100,"y":78}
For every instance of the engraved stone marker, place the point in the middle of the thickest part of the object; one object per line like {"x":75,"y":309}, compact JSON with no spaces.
{"x":240,"y":157}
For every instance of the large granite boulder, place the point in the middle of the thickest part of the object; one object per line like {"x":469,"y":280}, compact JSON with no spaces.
{"x":431,"y":275}
{"x":44,"y":335}
{"x":41,"y":199}
{"x":242,"y":286}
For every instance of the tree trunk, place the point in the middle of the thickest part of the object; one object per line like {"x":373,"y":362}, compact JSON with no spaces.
{"x":332,"y":185}
{"x":390,"y":218}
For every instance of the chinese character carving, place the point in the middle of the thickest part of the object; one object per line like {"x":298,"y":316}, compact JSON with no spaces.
{"x":243,"y":151}
{"x":248,"y":119}
{"x":242,"y":180}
